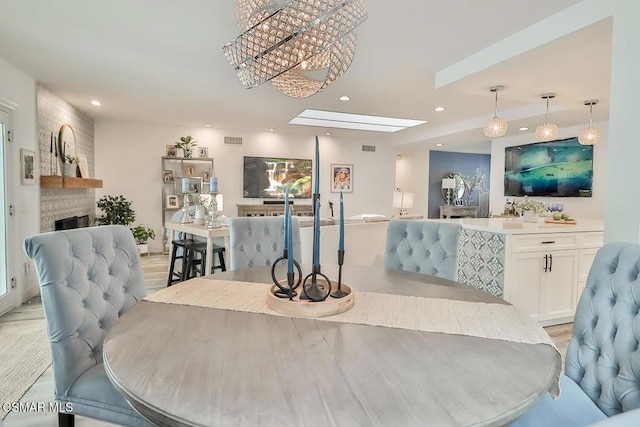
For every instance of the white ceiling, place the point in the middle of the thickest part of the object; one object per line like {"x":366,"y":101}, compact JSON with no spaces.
{"x":161,"y":61}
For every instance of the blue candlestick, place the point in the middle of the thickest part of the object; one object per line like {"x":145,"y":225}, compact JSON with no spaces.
{"x":289,"y":247}
{"x":286,"y":217}
{"x":317,"y":183}
{"x":316,"y":234}
{"x":341,"y":241}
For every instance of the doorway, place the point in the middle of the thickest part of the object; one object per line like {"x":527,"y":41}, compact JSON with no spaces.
{"x":7,"y":299}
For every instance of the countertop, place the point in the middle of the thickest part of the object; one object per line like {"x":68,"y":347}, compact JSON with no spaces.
{"x":517,"y":226}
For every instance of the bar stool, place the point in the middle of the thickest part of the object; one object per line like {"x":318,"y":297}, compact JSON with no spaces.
{"x":196,"y":260}
{"x":177,"y":276}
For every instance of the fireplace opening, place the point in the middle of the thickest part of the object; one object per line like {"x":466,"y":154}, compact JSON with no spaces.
{"x":72,"y":222}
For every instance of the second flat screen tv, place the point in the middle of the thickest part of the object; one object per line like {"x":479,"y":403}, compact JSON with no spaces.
{"x":267,"y":177}
{"x":562,"y":168}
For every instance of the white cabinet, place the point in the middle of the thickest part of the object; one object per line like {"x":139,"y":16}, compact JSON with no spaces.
{"x":546,"y":273}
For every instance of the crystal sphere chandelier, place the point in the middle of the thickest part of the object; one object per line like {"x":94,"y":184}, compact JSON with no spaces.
{"x":300,"y":46}
{"x":590,"y":135}
{"x":497,"y":126}
{"x":547,"y":131}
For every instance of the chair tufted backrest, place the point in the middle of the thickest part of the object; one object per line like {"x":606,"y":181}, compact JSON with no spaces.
{"x":427,"y":247}
{"x":603,"y":356}
{"x":88,"y":278}
{"x":259,"y":241}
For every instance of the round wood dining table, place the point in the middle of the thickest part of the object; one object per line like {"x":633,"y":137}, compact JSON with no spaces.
{"x":181,"y":365}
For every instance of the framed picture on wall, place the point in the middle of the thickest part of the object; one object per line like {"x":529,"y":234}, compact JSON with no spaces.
{"x":27,"y":167}
{"x":172,"y":201}
{"x":341,"y":178}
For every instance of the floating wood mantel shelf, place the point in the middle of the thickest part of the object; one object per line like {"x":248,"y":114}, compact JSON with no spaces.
{"x":54,"y":181}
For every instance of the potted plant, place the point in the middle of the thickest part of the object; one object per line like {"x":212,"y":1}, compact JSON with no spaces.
{"x":186,"y":143}
{"x":117,"y":210}
{"x":529,"y":209}
{"x":70,"y":165}
{"x":142,"y":234}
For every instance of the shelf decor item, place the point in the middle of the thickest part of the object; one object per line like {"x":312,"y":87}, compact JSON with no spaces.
{"x":186,"y":144}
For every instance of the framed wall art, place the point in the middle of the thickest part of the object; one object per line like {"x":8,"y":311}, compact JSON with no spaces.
{"x":341,"y":178}
{"x":172,"y":201}
{"x":27,"y":167}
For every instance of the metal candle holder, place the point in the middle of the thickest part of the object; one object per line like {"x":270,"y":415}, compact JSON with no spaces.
{"x":288,"y":291}
{"x":186,"y":203}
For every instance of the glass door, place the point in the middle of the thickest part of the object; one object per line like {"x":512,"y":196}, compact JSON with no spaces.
{"x":6,"y":297}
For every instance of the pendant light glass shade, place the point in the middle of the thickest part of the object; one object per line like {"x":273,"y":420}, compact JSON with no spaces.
{"x":497,"y":126}
{"x":547,"y":131}
{"x":591,"y":135}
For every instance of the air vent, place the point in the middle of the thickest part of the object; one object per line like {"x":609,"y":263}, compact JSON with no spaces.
{"x":233,"y":140}
{"x":371,"y":148}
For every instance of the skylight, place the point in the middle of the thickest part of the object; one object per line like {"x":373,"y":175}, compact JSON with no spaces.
{"x":334,"y":119}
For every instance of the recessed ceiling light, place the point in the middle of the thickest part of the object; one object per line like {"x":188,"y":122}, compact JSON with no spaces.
{"x":438,"y":145}
{"x":207,"y":125}
{"x":328,"y":133}
{"x":95,"y":102}
{"x":523,"y":128}
{"x":332,"y":119}
{"x":439,"y":109}
{"x":271,"y":129}
{"x":344,"y":98}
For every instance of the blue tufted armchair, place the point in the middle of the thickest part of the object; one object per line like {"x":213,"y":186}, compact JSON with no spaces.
{"x":602,"y":367}
{"x":259,"y":241}
{"x":427,"y":247}
{"x":88,"y":278}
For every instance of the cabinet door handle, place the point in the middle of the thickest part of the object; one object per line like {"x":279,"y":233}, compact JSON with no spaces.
{"x":550,"y":261}
{"x":548,"y":242}
{"x":546,"y":262}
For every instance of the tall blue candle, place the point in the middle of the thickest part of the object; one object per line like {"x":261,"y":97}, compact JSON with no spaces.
{"x":286,"y":217}
{"x":317,"y":183}
{"x":341,"y":241}
{"x":289,"y":244}
{"x":316,"y":234}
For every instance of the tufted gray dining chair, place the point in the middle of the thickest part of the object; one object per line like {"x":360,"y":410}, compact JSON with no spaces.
{"x":88,"y":278}
{"x":259,"y":241}
{"x":602,"y":368}
{"x":427,"y":247}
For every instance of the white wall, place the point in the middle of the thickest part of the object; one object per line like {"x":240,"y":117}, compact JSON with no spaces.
{"x":20,"y":89}
{"x":577,"y":207}
{"x":128,"y":161}
{"x":412,"y":174}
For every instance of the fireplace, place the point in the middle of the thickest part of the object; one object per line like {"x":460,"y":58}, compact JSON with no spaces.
{"x":72,"y":222}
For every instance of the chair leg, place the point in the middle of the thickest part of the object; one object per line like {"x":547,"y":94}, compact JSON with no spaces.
{"x":172,"y":265}
{"x":223,"y":267}
{"x":66,"y":420}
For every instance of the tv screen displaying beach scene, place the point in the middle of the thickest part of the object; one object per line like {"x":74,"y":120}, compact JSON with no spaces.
{"x":561,"y":168}
{"x":267,"y":177}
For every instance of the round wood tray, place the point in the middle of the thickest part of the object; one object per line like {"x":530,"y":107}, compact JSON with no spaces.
{"x":306,"y":308}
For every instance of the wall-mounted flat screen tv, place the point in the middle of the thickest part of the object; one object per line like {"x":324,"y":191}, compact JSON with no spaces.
{"x":267,"y":177}
{"x":562,"y":168}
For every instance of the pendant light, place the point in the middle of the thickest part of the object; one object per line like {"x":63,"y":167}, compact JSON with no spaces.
{"x":547,"y":131}
{"x":497,"y":126}
{"x":591,"y":135}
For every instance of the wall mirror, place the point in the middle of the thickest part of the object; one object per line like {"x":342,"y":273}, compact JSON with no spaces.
{"x":457,"y":192}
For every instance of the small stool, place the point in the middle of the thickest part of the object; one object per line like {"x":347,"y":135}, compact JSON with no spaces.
{"x":177,"y":276}
{"x":196,"y":261}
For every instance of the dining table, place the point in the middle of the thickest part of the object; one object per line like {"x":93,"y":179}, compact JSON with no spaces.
{"x":414,"y":350}
{"x":202,"y":231}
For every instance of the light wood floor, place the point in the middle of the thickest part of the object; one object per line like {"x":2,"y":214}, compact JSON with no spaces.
{"x":155,"y":273}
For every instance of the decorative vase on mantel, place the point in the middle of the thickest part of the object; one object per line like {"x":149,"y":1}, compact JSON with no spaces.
{"x":529,"y":216}
{"x":70,"y":169}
